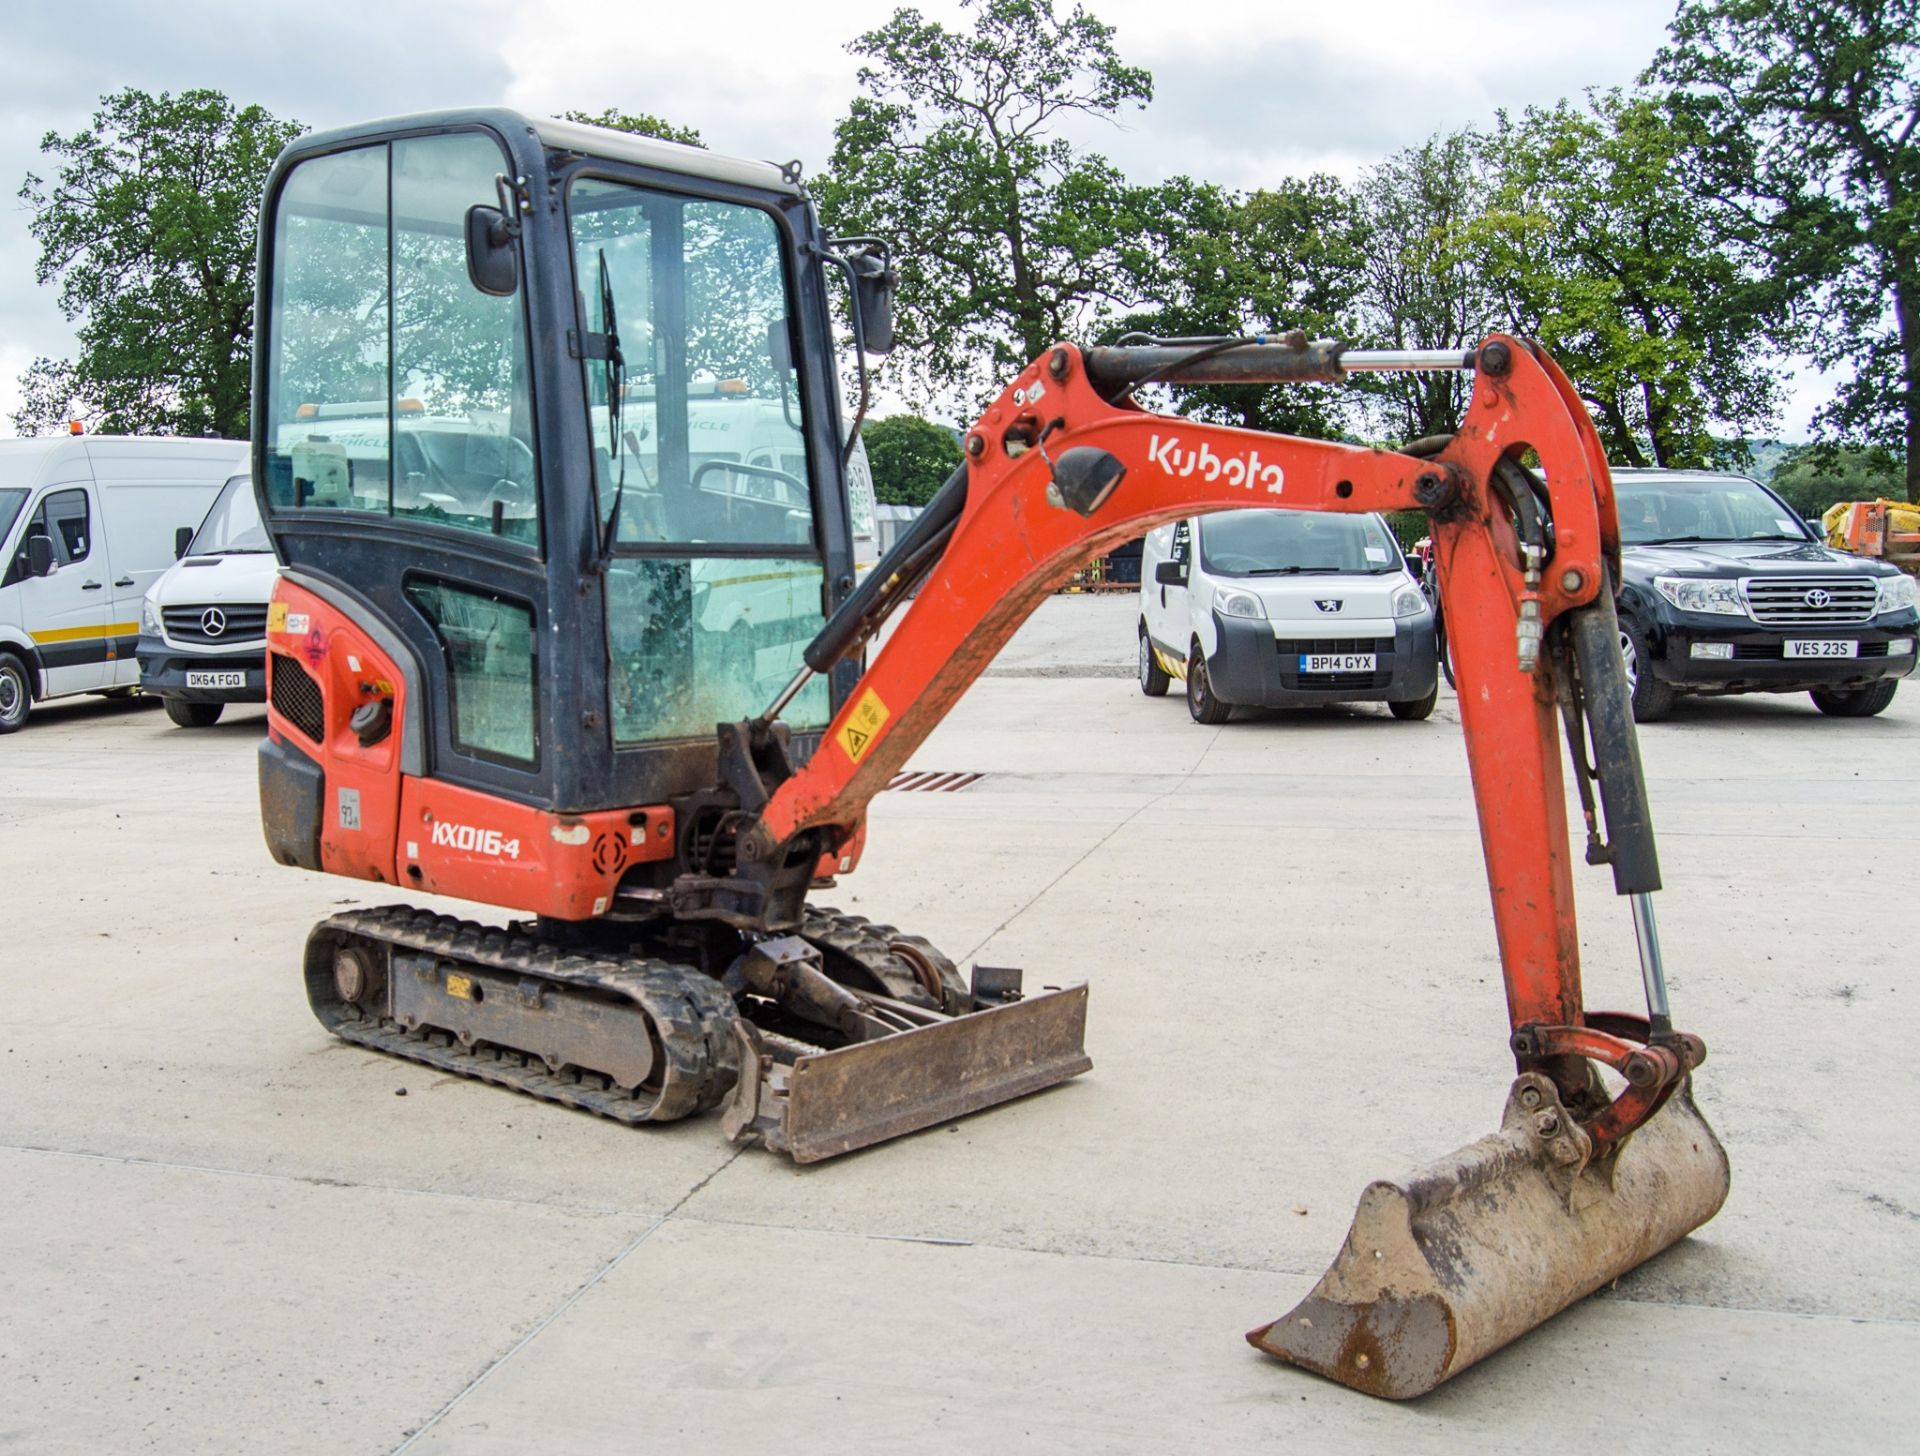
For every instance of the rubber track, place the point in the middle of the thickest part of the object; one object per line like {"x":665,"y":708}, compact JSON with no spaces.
{"x":692,"y":1015}
{"x":871,"y":946}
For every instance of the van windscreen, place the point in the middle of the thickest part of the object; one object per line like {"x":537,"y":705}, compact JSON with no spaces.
{"x":1287,"y":543}
{"x":232,"y":526}
{"x":10,"y":503}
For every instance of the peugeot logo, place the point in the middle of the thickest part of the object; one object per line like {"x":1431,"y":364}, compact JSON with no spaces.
{"x":213,"y":622}
{"x":1819,"y":597}
{"x":1328,"y":604}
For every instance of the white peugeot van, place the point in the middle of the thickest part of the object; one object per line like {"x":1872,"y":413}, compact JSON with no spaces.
{"x":203,"y":627}
{"x":87,"y":524}
{"x":1276,"y":608}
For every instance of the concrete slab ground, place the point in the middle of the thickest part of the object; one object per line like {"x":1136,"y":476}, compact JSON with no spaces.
{"x":221,"y":1231}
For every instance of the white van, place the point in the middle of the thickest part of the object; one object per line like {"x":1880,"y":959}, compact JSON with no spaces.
{"x":1275,"y":608}
{"x":87,"y":524}
{"x":203,"y":627}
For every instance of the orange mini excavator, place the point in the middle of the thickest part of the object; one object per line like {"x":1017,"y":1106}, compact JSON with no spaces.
{"x":548,"y":436}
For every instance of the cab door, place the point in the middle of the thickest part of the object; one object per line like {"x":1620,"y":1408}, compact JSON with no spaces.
{"x":66,"y":613}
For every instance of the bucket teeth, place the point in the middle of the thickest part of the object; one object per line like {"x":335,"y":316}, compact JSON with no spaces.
{"x":1445,"y":1267}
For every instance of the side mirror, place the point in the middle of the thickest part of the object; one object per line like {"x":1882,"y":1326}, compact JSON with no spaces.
{"x":39,"y":556}
{"x":493,"y":265}
{"x":874,"y":281}
{"x":1170,"y":573}
{"x":182,"y":539}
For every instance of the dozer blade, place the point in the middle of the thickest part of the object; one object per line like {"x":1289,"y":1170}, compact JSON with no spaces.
{"x":823,"y":1104}
{"x":1477,"y":1249}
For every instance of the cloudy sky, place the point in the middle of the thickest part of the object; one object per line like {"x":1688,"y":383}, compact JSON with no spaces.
{"x":1246,"y":90}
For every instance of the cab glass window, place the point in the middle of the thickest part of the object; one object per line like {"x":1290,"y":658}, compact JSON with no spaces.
{"x":488,"y":642}
{"x":1271,"y":542}
{"x":697,"y":428}
{"x":397,"y":387}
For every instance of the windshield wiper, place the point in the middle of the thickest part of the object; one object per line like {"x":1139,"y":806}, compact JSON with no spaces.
{"x":1295,"y":571}
{"x":1681,"y":540}
{"x":616,"y":386}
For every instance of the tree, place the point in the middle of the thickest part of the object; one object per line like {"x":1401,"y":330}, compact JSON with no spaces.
{"x":640,"y":123}
{"x":1266,"y":262}
{"x":1813,"y":477}
{"x":1813,"y":110}
{"x":1423,"y":288}
{"x":911,"y":458}
{"x":1008,"y":238}
{"x":149,"y":228}
{"x":1601,"y":246}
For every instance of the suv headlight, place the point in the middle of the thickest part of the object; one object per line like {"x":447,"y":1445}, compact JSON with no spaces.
{"x":1693,"y":594}
{"x":1239,"y":604}
{"x":149,"y":617}
{"x":1409,"y":601}
{"x":1897,"y":594}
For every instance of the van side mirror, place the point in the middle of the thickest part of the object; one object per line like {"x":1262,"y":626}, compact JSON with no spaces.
{"x":493,"y":265}
{"x":182,"y":539}
{"x":1171,"y":573}
{"x":39,"y":556}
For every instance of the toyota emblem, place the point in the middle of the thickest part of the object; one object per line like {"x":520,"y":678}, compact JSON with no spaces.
{"x":213,"y":622}
{"x":1819,"y":597}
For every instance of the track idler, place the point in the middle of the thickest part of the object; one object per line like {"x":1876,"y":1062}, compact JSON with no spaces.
{"x":1444,"y":1267}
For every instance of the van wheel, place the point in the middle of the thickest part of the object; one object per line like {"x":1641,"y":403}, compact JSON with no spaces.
{"x":1153,"y":682}
{"x":1859,"y":703}
{"x":193,"y":715}
{"x":1416,"y":710}
{"x":16,"y":693}
{"x":1201,"y":702}
{"x":1652,"y":699}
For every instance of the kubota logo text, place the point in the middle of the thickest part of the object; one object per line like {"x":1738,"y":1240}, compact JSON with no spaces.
{"x":475,"y":841}
{"x":1244,"y":469}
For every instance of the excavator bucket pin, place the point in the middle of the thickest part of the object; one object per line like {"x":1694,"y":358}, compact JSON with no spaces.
{"x":1445,"y":1267}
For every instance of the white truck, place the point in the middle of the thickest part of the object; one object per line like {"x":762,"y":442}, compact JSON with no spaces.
{"x":1275,"y":608}
{"x":87,"y":524}
{"x":203,"y":626}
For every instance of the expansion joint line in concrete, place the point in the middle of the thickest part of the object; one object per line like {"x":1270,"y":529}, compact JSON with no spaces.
{"x":566,"y":1304}
{"x":1092,"y":850}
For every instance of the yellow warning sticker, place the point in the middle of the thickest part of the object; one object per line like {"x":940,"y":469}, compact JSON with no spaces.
{"x":276,"y":616}
{"x":461,"y":986}
{"x":863,"y":725}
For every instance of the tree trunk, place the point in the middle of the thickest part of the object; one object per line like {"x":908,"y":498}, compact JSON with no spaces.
{"x":1907,"y":311}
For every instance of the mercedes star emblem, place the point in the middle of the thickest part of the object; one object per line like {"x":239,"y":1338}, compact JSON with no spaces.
{"x":213,"y":621}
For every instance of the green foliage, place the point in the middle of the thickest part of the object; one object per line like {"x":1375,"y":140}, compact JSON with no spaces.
{"x":1422,"y":286}
{"x":1265,"y":262}
{"x":640,"y":123}
{"x":1812,"y":111}
{"x":1600,"y":246}
{"x":1813,"y":477}
{"x":911,"y":458}
{"x":149,"y":227}
{"x":1008,"y":237}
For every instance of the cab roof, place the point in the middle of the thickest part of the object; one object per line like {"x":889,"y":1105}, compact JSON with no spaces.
{"x":572,"y":136}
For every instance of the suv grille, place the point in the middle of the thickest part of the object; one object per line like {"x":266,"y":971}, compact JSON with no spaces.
{"x":1810,"y":601}
{"x":238,"y":623}
{"x":296,"y":697}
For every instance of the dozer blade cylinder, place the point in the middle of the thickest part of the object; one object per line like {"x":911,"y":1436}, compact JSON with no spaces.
{"x":833,"y":1102}
{"x":1445,"y":1267}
